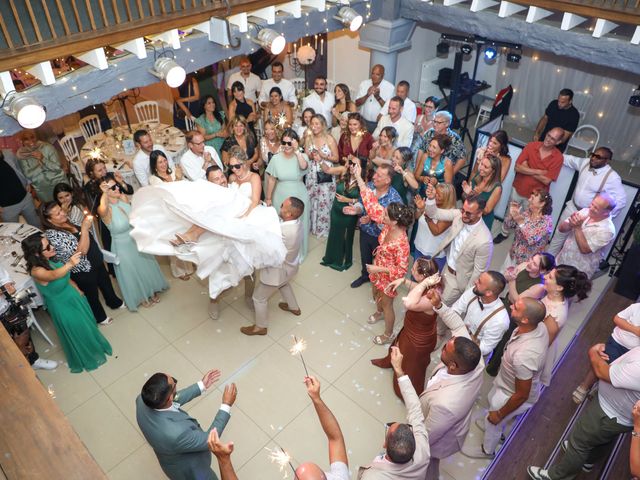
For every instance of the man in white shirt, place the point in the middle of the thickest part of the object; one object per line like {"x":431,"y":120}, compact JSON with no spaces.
{"x":285,"y":86}
{"x":395,"y":119}
{"x":320,"y":100}
{"x":588,"y":231}
{"x":198,"y":157}
{"x":406,"y":445}
{"x":141,"y":166}
{"x":605,"y":417}
{"x":252,"y":83}
{"x":372,"y":95}
{"x":595,"y":175}
{"x":517,"y":385}
{"x":338,"y":461}
{"x":483,"y":312}
{"x":409,"y":111}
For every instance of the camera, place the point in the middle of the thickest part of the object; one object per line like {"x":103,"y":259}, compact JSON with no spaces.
{"x":15,"y":317}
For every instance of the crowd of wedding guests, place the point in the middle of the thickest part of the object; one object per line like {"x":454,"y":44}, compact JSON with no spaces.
{"x":377,"y":164}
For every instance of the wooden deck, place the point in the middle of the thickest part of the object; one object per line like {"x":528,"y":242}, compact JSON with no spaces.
{"x":36,"y":440}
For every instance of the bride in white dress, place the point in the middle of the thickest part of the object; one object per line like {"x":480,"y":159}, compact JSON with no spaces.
{"x":228,"y":233}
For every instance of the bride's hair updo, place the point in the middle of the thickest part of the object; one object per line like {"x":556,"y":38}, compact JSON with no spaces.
{"x":238,"y":153}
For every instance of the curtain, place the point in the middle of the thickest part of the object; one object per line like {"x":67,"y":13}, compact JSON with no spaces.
{"x":602,"y":93}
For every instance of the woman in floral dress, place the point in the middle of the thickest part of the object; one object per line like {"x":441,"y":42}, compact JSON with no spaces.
{"x":321,"y":149}
{"x":533,"y":228}
{"x":391,"y":257}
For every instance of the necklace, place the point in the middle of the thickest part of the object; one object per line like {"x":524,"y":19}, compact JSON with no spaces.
{"x":241,"y":179}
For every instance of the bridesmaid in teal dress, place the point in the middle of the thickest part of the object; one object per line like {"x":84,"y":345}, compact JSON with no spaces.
{"x":486,"y":185}
{"x":339,"y":252}
{"x":84,"y":346}
{"x":211,"y":124}
{"x":138,"y":274}
{"x":285,"y":171}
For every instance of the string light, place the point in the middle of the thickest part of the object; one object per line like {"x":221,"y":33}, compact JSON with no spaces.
{"x":600,"y":114}
{"x":605,"y":88}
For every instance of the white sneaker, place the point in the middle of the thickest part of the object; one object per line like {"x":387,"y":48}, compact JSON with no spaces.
{"x":42,"y":364}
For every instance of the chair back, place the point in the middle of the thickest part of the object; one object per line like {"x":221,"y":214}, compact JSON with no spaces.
{"x":69,"y":148}
{"x":190,"y":122}
{"x":147,"y":112}
{"x":585,"y":138}
{"x":582,"y":101}
{"x":76,"y":172}
{"x":90,"y":126}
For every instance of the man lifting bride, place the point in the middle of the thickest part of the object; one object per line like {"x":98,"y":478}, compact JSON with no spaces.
{"x":225,"y":231}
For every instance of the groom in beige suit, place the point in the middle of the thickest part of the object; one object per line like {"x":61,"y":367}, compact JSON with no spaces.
{"x":272,"y":279}
{"x":451,"y":392}
{"x":468,"y":241}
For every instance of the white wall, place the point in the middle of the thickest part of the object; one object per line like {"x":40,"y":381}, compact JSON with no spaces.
{"x":347,"y":63}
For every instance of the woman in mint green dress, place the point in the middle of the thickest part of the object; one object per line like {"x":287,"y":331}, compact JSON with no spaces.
{"x":84,"y":346}
{"x":138,"y":274}
{"x":211,"y":124}
{"x":285,"y":172}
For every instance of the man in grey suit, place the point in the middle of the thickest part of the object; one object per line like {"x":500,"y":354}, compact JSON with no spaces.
{"x":406,"y":444}
{"x":450,"y":393}
{"x":273,"y":279}
{"x":176,"y":438}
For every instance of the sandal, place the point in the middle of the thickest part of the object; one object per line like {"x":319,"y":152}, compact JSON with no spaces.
{"x":181,"y":240}
{"x":155,"y":299}
{"x":185,"y":277}
{"x":579,"y":394}
{"x":383,"y":339}
{"x":375,"y":318}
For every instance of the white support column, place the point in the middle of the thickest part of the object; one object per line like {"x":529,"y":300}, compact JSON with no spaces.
{"x":448,"y":3}
{"x":536,"y":13}
{"x":509,"y":8}
{"x":636,"y":37}
{"x":603,"y":27}
{"x":267,"y":13}
{"x":6,"y":84}
{"x":479,"y":5}
{"x":240,"y":21}
{"x":43,"y":72}
{"x":294,"y":8}
{"x":170,"y":37}
{"x":135,"y":46}
{"x":319,"y":5}
{"x":571,"y":20}
{"x":96,"y":58}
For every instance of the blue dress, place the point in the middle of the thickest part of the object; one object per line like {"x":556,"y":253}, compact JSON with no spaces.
{"x":138,"y":274}
{"x":429,"y":170}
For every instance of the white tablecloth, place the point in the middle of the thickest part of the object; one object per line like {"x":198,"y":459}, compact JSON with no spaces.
{"x":11,"y":234}
{"x":108,"y":146}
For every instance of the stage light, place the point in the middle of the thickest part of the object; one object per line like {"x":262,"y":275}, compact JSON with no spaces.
{"x":634,"y":101}
{"x":490,"y":53}
{"x":442,"y":48}
{"x":27,"y":111}
{"x":350,"y":18}
{"x":513,"y":57}
{"x":466,"y":49}
{"x":270,"y":40}
{"x":168,"y":70}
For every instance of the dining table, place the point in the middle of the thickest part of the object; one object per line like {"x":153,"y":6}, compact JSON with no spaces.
{"x":12,"y":259}
{"x":116,"y":147}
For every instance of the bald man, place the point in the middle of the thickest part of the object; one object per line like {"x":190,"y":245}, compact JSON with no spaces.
{"x":517,"y":385}
{"x":338,"y":462}
{"x":538,"y":165}
{"x":372,"y":94}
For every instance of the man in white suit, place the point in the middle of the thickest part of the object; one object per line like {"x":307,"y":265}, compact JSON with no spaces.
{"x":451,"y":392}
{"x":468,"y":242}
{"x":272,"y":279}
{"x":406,"y":445}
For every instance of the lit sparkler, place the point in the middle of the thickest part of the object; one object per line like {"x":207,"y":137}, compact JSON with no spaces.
{"x":282,"y":458}
{"x":95,"y":153}
{"x":298,"y":347}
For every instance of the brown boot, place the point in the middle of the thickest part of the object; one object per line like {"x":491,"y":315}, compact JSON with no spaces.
{"x":284,"y":306}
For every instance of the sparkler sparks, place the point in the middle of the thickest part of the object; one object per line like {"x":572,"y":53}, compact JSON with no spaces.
{"x":282,"y":458}
{"x":298,"y":347}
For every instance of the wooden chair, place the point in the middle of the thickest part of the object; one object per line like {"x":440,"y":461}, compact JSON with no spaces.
{"x":147,"y":112}
{"x":90,"y":126}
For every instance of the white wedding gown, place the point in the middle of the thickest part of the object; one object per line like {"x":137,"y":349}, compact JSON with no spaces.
{"x":231,"y":248}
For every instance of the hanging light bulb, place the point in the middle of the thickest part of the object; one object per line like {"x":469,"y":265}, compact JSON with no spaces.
{"x":270,"y":40}
{"x":168,"y":70}
{"x":349,"y":18}
{"x":27,"y":111}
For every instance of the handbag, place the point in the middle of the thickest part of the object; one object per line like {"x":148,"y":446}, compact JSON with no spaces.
{"x":323,"y":177}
